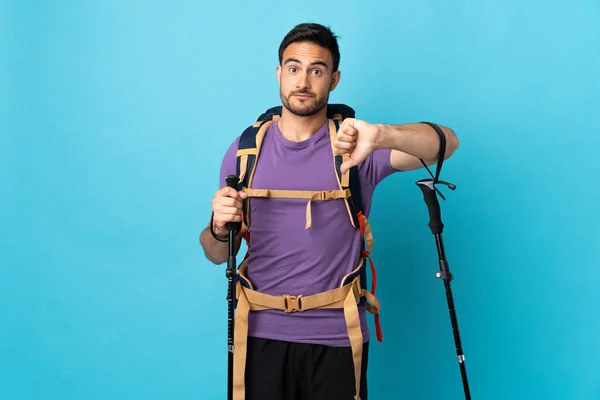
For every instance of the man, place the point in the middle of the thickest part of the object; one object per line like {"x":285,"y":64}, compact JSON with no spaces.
{"x":307,"y":355}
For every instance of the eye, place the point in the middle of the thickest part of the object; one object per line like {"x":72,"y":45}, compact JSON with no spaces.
{"x":293,"y":70}
{"x":317,"y":72}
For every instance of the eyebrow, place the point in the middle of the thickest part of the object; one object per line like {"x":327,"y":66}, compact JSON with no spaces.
{"x":300,"y":62}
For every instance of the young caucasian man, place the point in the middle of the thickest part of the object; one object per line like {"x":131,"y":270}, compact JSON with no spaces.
{"x":309,"y":354}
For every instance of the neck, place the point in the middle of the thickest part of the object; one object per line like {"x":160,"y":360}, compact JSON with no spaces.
{"x":296,"y":128}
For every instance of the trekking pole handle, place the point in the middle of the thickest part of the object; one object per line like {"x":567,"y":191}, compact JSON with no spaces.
{"x":433,"y":205}
{"x":232,"y":181}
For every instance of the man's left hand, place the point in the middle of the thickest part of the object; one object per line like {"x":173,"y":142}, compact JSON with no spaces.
{"x":358,"y":139}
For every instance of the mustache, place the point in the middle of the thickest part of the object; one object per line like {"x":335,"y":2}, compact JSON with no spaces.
{"x":304,"y":92}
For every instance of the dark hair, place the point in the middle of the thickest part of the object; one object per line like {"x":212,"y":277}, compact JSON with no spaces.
{"x":314,"y":33}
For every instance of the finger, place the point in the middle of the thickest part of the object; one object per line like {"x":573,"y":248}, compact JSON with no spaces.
{"x":228,"y":202}
{"x":344,"y":147}
{"x":348,"y":123}
{"x":228,"y":192}
{"x":346,"y":165}
{"x":219,"y":203}
{"x":227,"y":214}
{"x":344,"y":137}
{"x":219,"y":208}
{"x":349,"y":130}
{"x":222,"y":219}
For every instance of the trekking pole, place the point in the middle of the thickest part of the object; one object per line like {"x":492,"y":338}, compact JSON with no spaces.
{"x":436,"y":225}
{"x":233,"y":227}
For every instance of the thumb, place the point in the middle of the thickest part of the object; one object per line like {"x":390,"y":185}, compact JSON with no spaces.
{"x":243,"y":195}
{"x":346,"y":165}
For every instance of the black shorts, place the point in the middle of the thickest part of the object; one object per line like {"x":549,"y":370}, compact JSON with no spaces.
{"x":277,"y":370}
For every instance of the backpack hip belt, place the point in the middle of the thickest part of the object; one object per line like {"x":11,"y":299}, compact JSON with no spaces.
{"x":346,"y":297}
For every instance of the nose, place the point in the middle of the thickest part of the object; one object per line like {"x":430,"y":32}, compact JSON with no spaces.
{"x":303,"y":81}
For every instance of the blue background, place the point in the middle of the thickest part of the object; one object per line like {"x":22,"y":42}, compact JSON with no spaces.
{"x":115,"y":116}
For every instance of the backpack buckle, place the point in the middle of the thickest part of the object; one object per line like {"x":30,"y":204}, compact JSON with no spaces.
{"x":292,"y":303}
{"x":328,"y":195}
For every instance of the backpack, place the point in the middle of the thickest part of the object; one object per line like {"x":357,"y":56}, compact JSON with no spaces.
{"x":351,"y":287}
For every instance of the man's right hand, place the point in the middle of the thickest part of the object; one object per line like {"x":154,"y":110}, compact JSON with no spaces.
{"x":227,"y":207}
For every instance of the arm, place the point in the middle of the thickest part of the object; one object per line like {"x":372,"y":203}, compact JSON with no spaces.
{"x":227,"y":207}
{"x":216,"y":251}
{"x":411,"y":142}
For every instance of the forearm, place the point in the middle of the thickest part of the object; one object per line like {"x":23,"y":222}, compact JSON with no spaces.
{"x":417,"y":140}
{"x":217,"y":252}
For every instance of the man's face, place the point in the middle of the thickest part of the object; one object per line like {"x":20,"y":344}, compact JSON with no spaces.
{"x":306,"y":77}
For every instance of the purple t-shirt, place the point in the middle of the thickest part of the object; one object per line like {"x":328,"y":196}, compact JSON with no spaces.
{"x":284,"y":257}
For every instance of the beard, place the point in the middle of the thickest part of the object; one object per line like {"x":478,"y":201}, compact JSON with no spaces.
{"x":304,"y":107}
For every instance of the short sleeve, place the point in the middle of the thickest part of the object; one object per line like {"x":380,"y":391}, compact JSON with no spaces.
{"x":376,"y":167}
{"x":371,"y":172}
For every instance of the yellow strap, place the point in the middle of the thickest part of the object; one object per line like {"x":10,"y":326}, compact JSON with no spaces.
{"x":245,"y":152}
{"x":332,"y":135}
{"x":297,"y":303}
{"x":355,"y":335}
{"x":260,"y":135}
{"x":243,"y":166}
{"x":373,"y":305}
{"x":368,"y":234}
{"x":346,"y":176}
{"x":344,"y":182}
{"x":323,"y":195}
{"x":298,"y":194}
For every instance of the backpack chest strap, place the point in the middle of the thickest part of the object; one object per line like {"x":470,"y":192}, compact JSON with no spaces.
{"x":323,"y":195}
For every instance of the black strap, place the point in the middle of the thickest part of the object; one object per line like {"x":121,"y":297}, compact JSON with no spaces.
{"x":440,"y":162}
{"x":212,"y":232}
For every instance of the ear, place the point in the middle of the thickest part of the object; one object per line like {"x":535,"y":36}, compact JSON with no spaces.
{"x":335,"y":79}
{"x":278,"y":71}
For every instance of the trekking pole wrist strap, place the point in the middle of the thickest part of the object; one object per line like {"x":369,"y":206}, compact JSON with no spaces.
{"x":212,"y":231}
{"x":428,"y":186}
{"x":440,"y":161}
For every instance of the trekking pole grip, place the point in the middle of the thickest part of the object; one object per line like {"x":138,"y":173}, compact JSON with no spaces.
{"x":433,"y":205}
{"x":232,"y":181}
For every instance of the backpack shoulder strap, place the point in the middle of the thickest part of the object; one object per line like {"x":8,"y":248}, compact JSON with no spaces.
{"x":247,"y":155}
{"x":249,"y":151}
{"x":354,"y":204}
{"x":349,"y":180}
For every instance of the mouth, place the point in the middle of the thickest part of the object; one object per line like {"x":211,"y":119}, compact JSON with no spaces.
{"x":303,"y":96}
